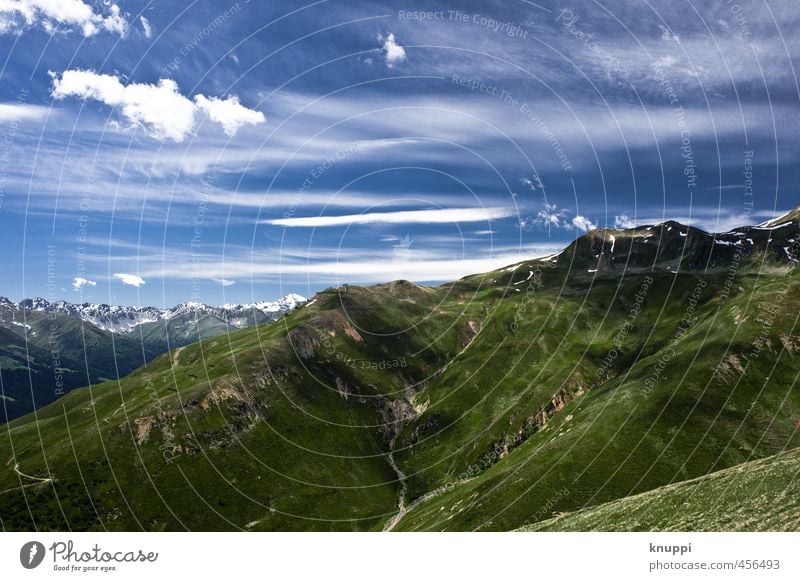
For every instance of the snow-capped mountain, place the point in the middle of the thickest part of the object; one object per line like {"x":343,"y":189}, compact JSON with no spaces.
{"x":63,"y":346}
{"x":283,"y":304}
{"x":122,"y":319}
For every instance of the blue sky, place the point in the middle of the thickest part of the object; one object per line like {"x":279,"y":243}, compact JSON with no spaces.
{"x":156,"y":152}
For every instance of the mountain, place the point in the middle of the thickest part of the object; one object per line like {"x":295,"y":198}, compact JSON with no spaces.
{"x":49,"y":348}
{"x":671,"y":247}
{"x":125,"y":320}
{"x":611,"y":369}
{"x":754,"y":496}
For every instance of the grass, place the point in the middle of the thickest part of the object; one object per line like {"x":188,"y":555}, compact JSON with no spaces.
{"x":761,"y":495}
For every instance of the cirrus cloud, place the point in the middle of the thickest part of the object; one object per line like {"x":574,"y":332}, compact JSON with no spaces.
{"x":224,"y":281}
{"x":11,"y":112}
{"x":442,"y":216}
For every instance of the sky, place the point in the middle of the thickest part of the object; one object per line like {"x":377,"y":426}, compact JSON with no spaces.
{"x":159,"y":152}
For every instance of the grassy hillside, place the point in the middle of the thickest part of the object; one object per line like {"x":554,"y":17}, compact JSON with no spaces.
{"x":763,"y":495}
{"x":487,"y":403}
{"x":280,"y":426}
{"x":587,"y":415}
{"x":56,"y":353}
{"x":51,"y":353}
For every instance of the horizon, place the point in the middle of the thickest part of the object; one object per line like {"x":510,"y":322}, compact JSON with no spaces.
{"x":83,"y":298}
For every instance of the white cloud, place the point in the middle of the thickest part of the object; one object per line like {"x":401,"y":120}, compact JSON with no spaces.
{"x":551,"y":217}
{"x":583,"y":223}
{"x":130,"y":279}
{"x":10,"y":112}
{"x":668,"y":34}
{"x":442,"y":216}
{"x":224,"y":281}
{"x":624,"y":221}
{"x":147,"y":29}
{"x":52,"y":15}
{"x":706,"y":218}
{"x":229,"y":113}
{"x":394,"y":52}
{"x":326,"y":264}
{"x":79,"y":282}
{"x":547,"y":218}
{"x":160,"y":109}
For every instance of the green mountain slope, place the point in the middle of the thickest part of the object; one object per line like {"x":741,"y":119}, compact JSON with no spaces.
{"x":488,"y":403}
{"x":56,"y":353}
{"x":763,"y":495}
{"x":280,"y":426}
{"x":63,"y":352}
{"x":597,"y":409}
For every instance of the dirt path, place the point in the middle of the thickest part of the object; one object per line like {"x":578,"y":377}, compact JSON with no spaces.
{"x":175,"y":355}
{"x":37,"y":480}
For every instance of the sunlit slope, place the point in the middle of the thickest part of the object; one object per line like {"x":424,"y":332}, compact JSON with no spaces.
{"x":763,"y":495}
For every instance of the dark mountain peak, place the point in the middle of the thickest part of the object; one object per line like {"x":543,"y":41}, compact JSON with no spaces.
{"x":672,"y":246}
{"x":34,"y":304}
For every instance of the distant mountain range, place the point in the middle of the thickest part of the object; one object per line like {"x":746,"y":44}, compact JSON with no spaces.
{"x":48,"y":348}
{"x":629,"y":362}
{"x":122,"y":320}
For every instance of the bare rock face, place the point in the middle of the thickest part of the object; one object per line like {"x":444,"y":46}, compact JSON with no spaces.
{"x":302,"y":340}
{"x":468,"y":331}
{"x":395,"y":413}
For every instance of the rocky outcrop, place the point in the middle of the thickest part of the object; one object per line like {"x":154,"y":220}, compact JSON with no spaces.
{"x":508,"y":441}
{"x":467,"y":333}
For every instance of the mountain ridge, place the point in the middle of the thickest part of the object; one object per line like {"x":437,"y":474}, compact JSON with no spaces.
{"x":49,"y":348}
{"x":463,"y":406}
{"x":124,"y":319}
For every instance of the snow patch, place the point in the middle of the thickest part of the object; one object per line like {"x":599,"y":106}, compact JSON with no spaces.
{"x":770,"y":228}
